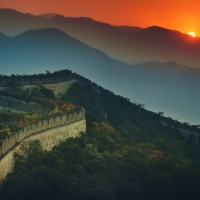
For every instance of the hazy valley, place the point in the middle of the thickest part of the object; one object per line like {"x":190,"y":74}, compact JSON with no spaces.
{"x":167,"y":87}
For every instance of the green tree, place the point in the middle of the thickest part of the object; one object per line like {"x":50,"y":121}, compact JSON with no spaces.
{"x":29,"y":154}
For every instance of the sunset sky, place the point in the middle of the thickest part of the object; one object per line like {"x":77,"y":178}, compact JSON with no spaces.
{"x":181,"y":15}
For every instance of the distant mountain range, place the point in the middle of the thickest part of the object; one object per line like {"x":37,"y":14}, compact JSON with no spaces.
{"x":36,"y":51}
{"x":132,"y":45}
{"x":168,"y":87}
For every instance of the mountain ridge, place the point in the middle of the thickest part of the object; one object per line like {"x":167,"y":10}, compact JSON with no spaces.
{"x":48,"y":15}
{"x":130,"y":47}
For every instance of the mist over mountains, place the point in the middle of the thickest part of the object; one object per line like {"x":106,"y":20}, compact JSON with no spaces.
{"x":130,"y":45}
{"x":126,"y":148}
{"x":36,"y":51}
{"x":168,"y":87}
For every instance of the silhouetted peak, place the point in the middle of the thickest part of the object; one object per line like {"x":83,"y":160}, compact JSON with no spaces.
{"x":159,"y":33}
{"x":81,"y":19}
{"x":51,"y":35}
{"x":12,"y":12}
{"x":85,"y":19}
{"x":130,"y":28}
{"x":59,"y":17}
{"x":42,"y":32}
{"x":48,"y":15}
{"x":8,"y":10}
{"x":156,"y":30}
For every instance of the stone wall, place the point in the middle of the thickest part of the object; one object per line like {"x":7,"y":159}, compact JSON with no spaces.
{"x":38,"y":127}
{"x":37,"y":79}
{"x":57,"y":88}
{"x":50,"y":132}
{"x":46,"y":79}
{"x":22,"y":105}
{"x":48,"y":138}
{"x":185,"y":132}
{"x":56,"y":83}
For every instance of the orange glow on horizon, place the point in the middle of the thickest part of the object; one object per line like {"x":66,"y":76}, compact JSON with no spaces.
{"x":191,"y":33}
{"x":169,"y":14}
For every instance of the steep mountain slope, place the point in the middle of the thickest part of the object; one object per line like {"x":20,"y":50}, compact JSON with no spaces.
{"x":143,"y":45}
{"x":126,"y":154}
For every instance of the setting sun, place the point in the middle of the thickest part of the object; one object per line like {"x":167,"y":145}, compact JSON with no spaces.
{"x":192,"y":34}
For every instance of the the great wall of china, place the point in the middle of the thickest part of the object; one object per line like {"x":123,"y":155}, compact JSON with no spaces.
{"x":18,"y":105}
{"x":50,"y":132}
{"x":45,"y":79}
{"x":23,"y":106}
{"x":37,"y":79}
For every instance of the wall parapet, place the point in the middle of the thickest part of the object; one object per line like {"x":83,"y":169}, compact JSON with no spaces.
{"x":184,"y":132}
{"x":43,"y":125}
{"x":33,"y":80}
{"x":56,"y":77}
{"x":20,"y":105}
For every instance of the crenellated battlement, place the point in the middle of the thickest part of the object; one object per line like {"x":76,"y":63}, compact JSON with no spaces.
{"x":56,"y":77}
{"x":43,"y":125}
{"x":34,"y":79}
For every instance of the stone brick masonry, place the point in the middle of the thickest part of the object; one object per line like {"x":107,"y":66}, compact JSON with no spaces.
{"x":50,"y":132}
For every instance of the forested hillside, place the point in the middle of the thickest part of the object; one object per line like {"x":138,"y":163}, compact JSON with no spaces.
{"x":126,"y":154}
